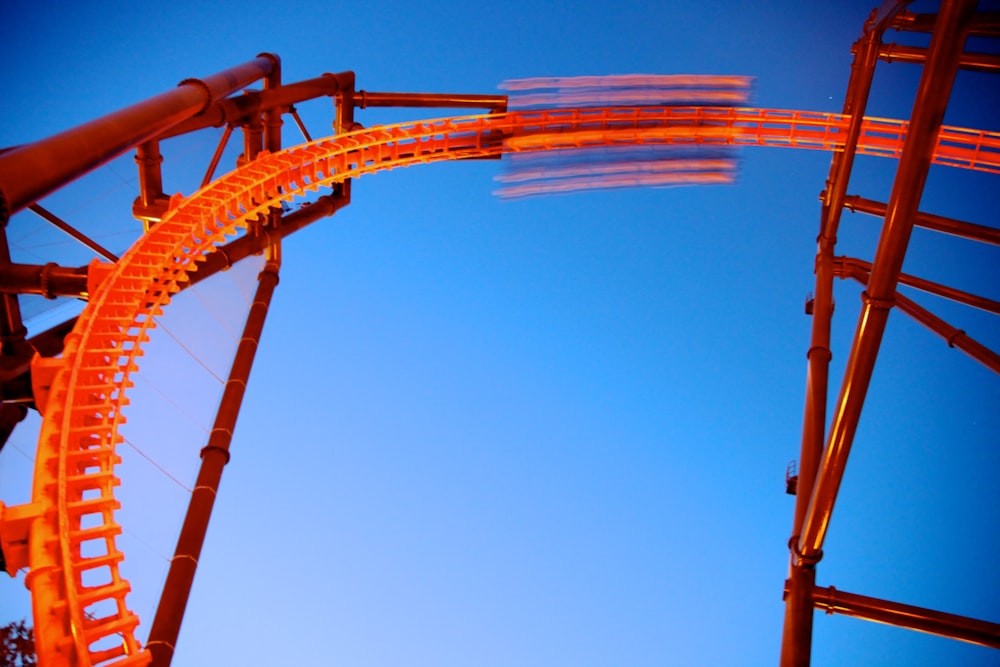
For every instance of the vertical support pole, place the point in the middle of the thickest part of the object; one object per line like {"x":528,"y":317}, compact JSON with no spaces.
{"x":149,"y":160}
{"x":253,"y":140}
{"x":796,"y":643}
{"x":151,"y":203}
{"x":343,"y":119}
{"x":947,"y":43}
{"x":260,"y":133}
{"x":272,"y":116}
{"x":344,"y":102}
{"x":215,"y":455}
{"x":15,"y":352}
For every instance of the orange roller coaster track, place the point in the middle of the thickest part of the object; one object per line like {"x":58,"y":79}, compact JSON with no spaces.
{"x":71,"y":518}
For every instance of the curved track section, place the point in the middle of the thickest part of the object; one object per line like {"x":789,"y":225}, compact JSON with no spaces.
{"x":81,"y":617}
{"x":569,"y":128}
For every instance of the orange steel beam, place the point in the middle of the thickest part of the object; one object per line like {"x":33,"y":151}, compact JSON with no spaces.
{"x":272,"y":114}
{"x":29,"y":172}
{"x":214,"y":456}
{"x":856,"y":99}
{"x":934,"y":89}
{"x":796,"y":641}
{"x":965,"y":230}
{"x":151,"y":200}
{"x":12,"y":329}
{"x":953,"y":336}
{"x":963,"y":628}
{"x":845,"y":266}
{"x":51,"y":280}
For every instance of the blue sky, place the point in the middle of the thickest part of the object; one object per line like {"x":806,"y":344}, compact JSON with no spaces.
{"x":535,"y":432}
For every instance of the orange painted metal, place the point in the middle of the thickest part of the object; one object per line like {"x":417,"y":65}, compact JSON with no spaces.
{"x":847,"y":265}
{"x":860,"y":271}
{"x":494,"y":103}
{"x":917,"y":155}
{"x":965,"y":230}
{"x":233,"y":111}
{"x":214,"y":456}
{"x":963,"y":628}
{"x":29,"y":172}
{"x":796,"y":640}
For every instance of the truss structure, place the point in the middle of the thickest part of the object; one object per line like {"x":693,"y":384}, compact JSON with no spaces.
{"x":825,"y":448}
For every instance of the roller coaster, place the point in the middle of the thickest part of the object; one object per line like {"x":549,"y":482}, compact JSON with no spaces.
{"x":79,"y":375}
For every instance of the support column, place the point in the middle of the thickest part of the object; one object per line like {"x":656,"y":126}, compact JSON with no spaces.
{"x":933,"y":92}
{"x":173,"y":601}
{"x":796,"y":641}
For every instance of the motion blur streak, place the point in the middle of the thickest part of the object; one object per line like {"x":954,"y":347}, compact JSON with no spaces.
{"x":640,"y":179}
{"x":628,"y":90}
{"x":586,"y":168}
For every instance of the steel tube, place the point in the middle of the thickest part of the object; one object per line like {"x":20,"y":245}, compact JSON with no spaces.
{"x":797,"y":633}
{"x":495,"y":103}
{"x":982,"y":24}
{"x":14,"y":350}
{"x":938,"y":223}
{"x":235,"y":110}
{"x":933,"y":622}
{"x":846,"y":266}
{"x":859,"y":88}
{"x":796,"y":642}
{"x":180,"y":577}
{"x":974,"y":62}
{"x":48,"y":280}
{"x":928,"y":111}
{"x":149,"y":160}
{"x":953,"y":336}
{"x":272,"y":113}
{"x":32,"y":171}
